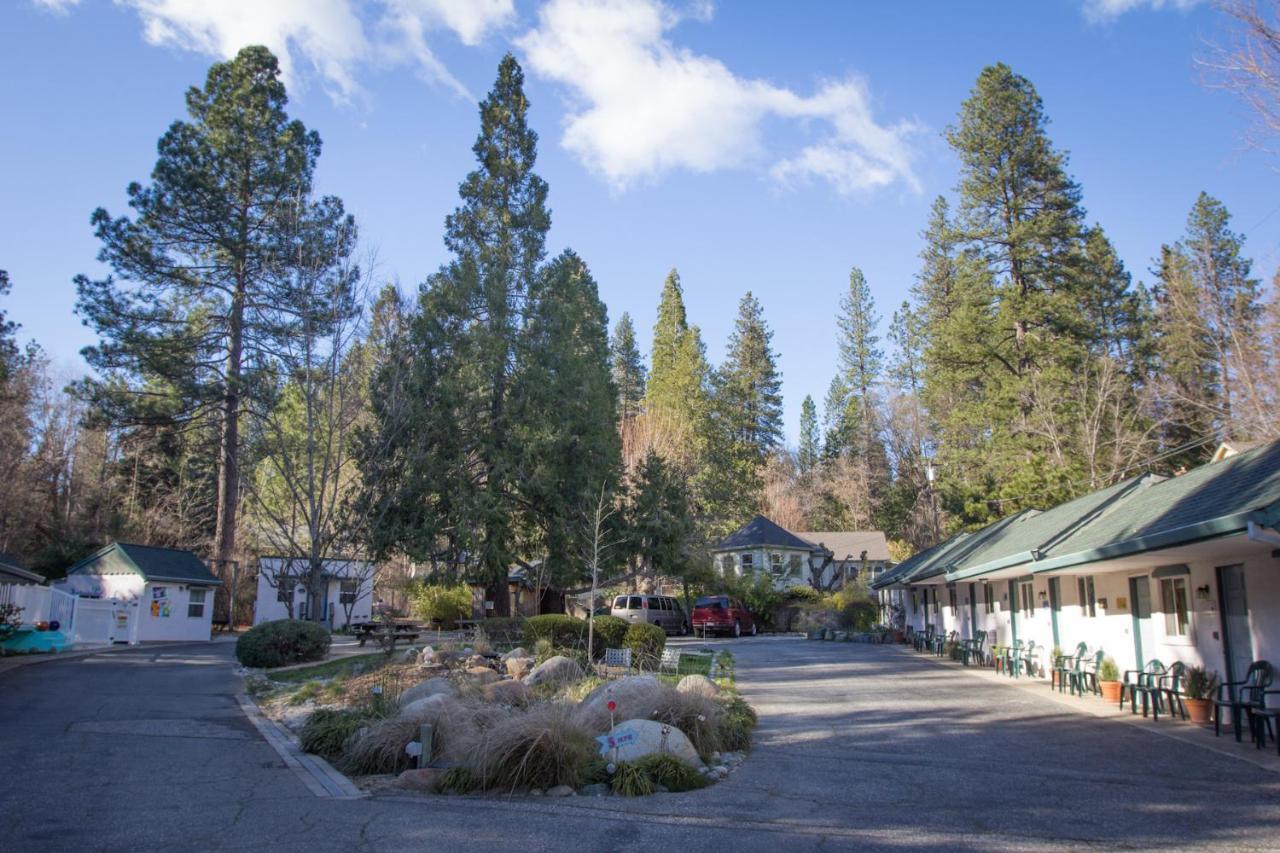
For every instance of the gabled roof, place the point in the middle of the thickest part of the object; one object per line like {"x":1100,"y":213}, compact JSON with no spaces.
{"x":849,"y":544}
{"x":760,"y":532}
{"x":154,"y":564}
{"x":12,"y":566}
{"x":946,"y":554}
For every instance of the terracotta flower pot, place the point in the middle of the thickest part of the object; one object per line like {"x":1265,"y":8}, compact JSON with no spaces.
{"x":1199,"y":710}
{"x":1110,"y":691}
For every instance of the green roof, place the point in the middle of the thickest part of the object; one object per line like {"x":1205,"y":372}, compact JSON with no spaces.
{"x":154,"y":564}
{"x":940,"y":557}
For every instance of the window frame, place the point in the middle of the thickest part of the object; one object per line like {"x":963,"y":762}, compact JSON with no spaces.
{"x":748,"y":562}
{"x":1027,"y":599}
{"x":1177,"y":614}
{"x":348,"y":596}
{"x":988,"y":600}
{"x":192,"y":604}
{"x":1087,"y":595}
{"x":776,"y":565}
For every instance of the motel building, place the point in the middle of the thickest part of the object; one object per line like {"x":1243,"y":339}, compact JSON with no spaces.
{"x":1183,"y":568}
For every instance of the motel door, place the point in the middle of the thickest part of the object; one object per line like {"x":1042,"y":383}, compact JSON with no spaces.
{"x":973,"y":611}
{"x":1055,"y":605}
{"x":1237,"y":640}
{"x":1140,"y":608}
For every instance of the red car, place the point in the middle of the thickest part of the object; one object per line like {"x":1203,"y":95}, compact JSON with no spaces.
{"x":715,"y":614}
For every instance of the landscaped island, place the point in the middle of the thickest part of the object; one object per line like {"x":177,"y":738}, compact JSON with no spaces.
{"x":524,"y":712}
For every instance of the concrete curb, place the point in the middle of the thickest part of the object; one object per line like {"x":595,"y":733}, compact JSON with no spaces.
{"x":314,"y":772}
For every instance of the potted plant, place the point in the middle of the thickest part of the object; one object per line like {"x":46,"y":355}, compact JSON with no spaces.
{"x":1198,"y":689}
{"x":1109,"y":680}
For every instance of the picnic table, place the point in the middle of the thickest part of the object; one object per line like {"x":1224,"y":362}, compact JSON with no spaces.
{"x":388,"y":632}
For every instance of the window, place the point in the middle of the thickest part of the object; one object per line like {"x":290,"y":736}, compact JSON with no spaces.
{"x":1028,"y":599}
{"x":726,"y":564}
{"x":797,"y":566}
{"x":933,"y":593}
{"x":347,"y":592}
{"x":988,"y":600}
{"x":633,"y":603}
{"x":775,"y":563}
{"x":746,"y":563}
{"x":914,"y":602}
{"x":620,"y":603}
{"x":195,"y":604}
{"x":284,"y":589}
{"x":951,"y":599}
{"x":1173,"y":598}
{"x":1088,"y":602}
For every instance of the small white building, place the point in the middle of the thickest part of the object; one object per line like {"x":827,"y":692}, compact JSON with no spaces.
{"x":347,"y":592}
{"x":168,"y":591}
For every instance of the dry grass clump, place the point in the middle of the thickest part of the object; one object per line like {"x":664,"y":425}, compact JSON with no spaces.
{"x":540,"y":748}
{"x":699,"y":717}
{"x":380,"y":749}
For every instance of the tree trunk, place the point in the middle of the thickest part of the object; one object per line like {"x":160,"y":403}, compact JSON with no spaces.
{"x":229,"y":453}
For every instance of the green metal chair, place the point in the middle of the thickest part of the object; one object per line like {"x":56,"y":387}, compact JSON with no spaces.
{"x":1008,"y":657}
{"x":1064,"y":665}
{"x":1242,"y":695}
{"x":1085,"y":677}
{"x":972,"y":648}
{"x":1027,"y":660}
{"x":1171,"y":688}
{"x":1145,"y":681}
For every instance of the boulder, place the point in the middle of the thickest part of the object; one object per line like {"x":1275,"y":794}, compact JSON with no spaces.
{"x":425,"y":688}
{"x":633,"y":739}
{"x":519,"y":667}
{"x":700,"y":685}
{"x":517,"y":652}
{"x":635,"y":696}
{"x":554,"y":670}
{"x":428,"y":706}
{"x":421,"y":779}
{"x":449,"y":658}
{"x":477,"y":660}
{"x":482,"y":674}
{"x":507,"y":692}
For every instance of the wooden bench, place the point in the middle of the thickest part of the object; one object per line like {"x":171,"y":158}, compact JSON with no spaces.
{"x":387,"y":633}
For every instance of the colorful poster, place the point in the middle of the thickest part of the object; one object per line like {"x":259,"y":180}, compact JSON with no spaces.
{"x":160,"y":602}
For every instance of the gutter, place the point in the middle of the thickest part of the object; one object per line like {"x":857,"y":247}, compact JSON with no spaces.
{"x":1259,"y":533}
{"x":1186,"y":535}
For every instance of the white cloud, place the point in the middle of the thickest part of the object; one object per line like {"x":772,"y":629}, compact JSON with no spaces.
{"x":331,"y":37}
{"x":1103,"y":11}
{"x":641,"y":106}
{"x":57,"y":7}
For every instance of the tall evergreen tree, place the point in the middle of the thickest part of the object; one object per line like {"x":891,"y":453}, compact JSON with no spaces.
{"x":185,"y":306}
{"x":861,"y":362}
{"x":748,"y":392}
{"x":629,"y":374}
{"x":677,"y":398}
{"x":443,"y":481}
{"x":810,"y":450}
{"x":1189,"y":377}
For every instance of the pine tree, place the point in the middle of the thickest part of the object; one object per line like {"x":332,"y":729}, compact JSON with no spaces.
{"x":442,"y":483}
{"x":748,"y":391}
{"x":861,"y":362}
{"x":628,"y":369}
{"x":677,"y":396}
{"x":810,"y":442}
{"x":1189,"y":378}
{"x":185,"y":307}
{"x":1228,"y":295}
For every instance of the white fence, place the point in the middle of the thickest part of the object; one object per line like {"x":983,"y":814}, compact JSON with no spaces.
{"x":84,"y":620}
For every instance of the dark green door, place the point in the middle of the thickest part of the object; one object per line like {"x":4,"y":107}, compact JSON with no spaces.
{"x":973,"y":611}
{"x":1055,"y":604}
{"x":1237,"y":641}
{"x":1140,"y":609}
{"x":1013,"y":613}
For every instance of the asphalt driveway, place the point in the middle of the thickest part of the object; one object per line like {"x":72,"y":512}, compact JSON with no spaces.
{"x":859,"y":747}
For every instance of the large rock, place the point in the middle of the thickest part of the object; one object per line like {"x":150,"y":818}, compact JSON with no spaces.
{"x":519,"y":667}
{"x":482,"y":674}
{"x":517,"y":652}
{"x":555,"y":670}
{"x":635,"y":696}
{"x":635,"y":739}
{"x":428,"y":687}
{"x":428,"y":706}
{"x":477,"y":660}
{"x":421,"y":779}
{"x":699,"y":684}
{"x":507,"y":693}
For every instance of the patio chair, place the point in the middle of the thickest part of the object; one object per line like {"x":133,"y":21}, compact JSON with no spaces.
{"x":1171,"y":688}
{"x":1006,"y":655}
{"x":1242,"y":695}
{"x":617,"y":659}
{"x":669,"y":662}
{"x":1265,"y":719}
{"x":1145,"y":681}
{"x":1064,"y":665}
{"x":1085,"y":676}
{"x":973,"y":649}
{"x":1028,"y":660}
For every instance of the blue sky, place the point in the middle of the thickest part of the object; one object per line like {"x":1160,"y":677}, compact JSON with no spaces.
{"x":754,"y":146}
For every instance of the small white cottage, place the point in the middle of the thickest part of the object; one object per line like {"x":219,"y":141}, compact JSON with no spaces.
{"x":347,"y":596}
{"x":169,"y":590}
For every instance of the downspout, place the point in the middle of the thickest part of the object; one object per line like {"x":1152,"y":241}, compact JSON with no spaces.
{"x":1258,"y":533}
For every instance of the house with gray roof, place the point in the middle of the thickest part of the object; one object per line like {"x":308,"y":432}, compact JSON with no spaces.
{"x":1183,"y":568}
{"x":823,"y":560}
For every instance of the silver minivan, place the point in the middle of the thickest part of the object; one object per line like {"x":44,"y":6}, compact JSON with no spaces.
{"x":661,"y":610}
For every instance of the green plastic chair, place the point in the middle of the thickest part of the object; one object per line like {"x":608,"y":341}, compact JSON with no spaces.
{"x":1085,"y":677}
{"x":1065,"y":665}
{"x":1145,"y":681}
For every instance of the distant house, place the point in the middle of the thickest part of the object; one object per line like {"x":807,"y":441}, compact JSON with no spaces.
{"x":824,"y":559}
{"x":347,"y":591}
{"x":13,"y":571}
{"x":171,"y":589}
{"x":528,"y":595}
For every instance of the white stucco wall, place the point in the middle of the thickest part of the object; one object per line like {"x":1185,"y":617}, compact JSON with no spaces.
{"x":153,"y":624}
{"x":268,"y":607}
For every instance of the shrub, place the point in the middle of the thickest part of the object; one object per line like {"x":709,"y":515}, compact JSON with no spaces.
{"x":610,"y":631}
{"x":646,"y":643}
{"x":559,"y":628}
{"x":630,"y":780}
{"x":504,"y":630}
{"x":458,"y":780}
{"x":543,"y":649}
{"x":540,"y":748}
{"x":282,"y":642}
{"x":735,"y":729}
{"x":327,"y":731}
{"x":858,"y":615}
{"x":672,"y":773}
{"x":444,"y":604}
